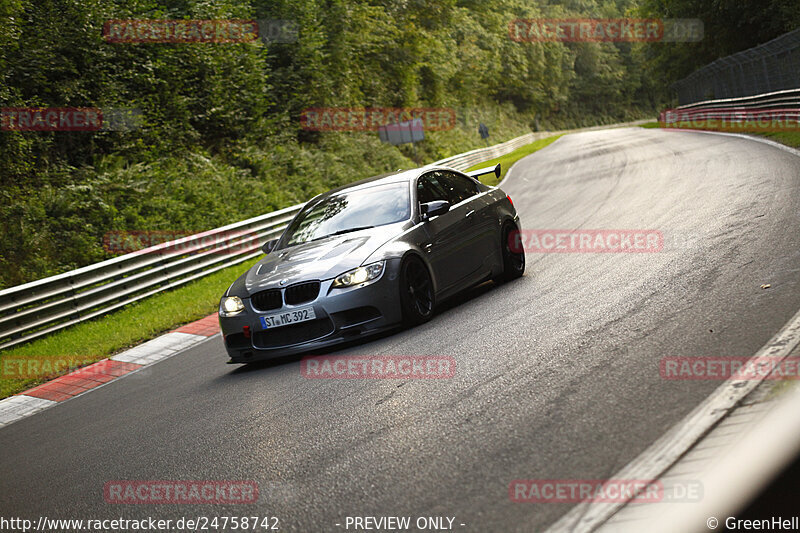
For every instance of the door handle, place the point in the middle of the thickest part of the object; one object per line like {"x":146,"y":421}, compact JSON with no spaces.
{"x":471,"y":213}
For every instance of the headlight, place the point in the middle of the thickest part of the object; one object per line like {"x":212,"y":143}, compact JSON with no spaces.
{"x":359,"y":275}
{"x":230,"y":306}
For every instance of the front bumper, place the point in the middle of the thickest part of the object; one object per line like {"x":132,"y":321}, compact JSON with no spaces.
{"x":341,"y":315}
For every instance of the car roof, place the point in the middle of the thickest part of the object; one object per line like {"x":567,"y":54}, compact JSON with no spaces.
{"x":399,"y":176}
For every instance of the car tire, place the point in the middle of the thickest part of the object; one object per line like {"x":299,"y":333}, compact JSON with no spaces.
{"x":513,"y":262}
{"x":416,"y":292}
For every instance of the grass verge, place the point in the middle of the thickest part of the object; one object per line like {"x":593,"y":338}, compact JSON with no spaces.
{"x":789,"y":138}
{"x":94,"y":340}
{"x":509,"y":159}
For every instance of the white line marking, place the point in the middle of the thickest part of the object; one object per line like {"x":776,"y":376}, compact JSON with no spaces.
{"x":758,"y":453}
{"x":662,"y":454}
{"x":158,"y":348}
{"x":21,"y":406}
{"x":18,"y":407}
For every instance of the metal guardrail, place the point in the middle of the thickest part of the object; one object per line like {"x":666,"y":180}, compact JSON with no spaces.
{"x":41,"y":307}
{"x":769,"y":67}
{"x":774,"y":100}
{"x":468,"y":159}
{"x":782,"y":106}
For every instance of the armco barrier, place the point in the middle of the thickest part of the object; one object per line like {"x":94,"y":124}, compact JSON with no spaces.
{"x":789,"y":98}
{"x":40,"y":307}
{"x":468,"y":159}
{"x":784,"y":106}
{"x":47,"y":305}
{"x":767,"y":68}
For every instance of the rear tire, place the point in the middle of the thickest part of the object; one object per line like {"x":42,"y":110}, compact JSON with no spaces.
{"x":513,"y":261}
{"x":416,"y":292}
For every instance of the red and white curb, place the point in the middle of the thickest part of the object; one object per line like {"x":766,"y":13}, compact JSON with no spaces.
{"x":87,"y":378}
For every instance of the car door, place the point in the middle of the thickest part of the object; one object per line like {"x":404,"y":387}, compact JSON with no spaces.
{"x":476,"y":223}
{"x":443,"y":239}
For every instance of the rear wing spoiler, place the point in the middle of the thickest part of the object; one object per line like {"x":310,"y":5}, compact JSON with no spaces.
{"x":484,"y":171}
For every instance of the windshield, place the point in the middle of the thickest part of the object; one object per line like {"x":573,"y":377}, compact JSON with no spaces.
{"x":350,"y":211}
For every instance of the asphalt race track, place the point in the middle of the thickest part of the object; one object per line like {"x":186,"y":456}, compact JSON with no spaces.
{"x":557,"y":373}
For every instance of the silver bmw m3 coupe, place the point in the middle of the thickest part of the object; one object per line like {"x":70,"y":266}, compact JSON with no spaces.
{"x":370,"y":256}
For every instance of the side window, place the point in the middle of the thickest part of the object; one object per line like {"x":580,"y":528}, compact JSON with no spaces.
{"x":429,"y":189}
{"x":458,"y":188}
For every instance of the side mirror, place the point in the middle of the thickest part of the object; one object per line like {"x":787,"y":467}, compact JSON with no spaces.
{"x":434,"y":209}
{"x":269,"y":246}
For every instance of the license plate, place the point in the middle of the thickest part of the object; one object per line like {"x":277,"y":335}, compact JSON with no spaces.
{"x":289,"y":317}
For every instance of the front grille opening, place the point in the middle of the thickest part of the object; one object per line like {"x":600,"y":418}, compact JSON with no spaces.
{"x":302,"y":293}
{"x":267,"y":300}
{"x":359,"y":315}
{"x":293,"y":334}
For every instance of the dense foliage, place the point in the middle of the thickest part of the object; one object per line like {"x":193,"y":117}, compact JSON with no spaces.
{"x":221,"y":139}
{"x":730,"y":26}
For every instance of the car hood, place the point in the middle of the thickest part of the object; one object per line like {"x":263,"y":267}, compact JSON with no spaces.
{"x":317,"y":260}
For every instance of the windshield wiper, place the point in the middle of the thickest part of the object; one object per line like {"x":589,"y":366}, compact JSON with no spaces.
{"x":341,"y":231}
{"x":348,"y":230}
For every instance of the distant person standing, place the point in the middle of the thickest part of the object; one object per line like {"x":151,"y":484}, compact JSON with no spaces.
{"x":484,"y":131}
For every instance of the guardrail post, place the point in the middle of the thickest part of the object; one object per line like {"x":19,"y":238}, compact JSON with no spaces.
{"x":76,"y":314}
